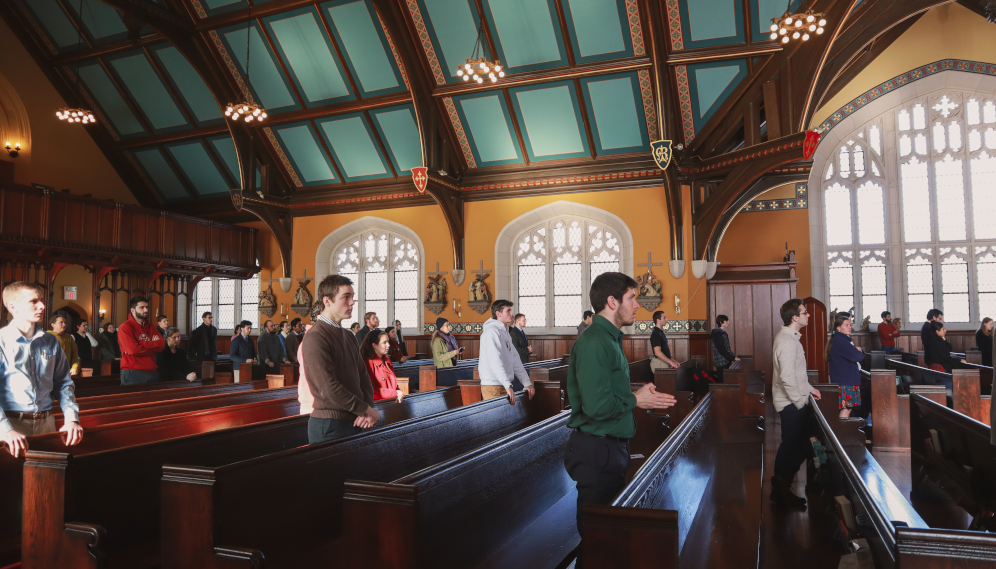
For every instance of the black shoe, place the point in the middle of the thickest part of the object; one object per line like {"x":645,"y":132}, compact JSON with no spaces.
{"x":782,"y":495}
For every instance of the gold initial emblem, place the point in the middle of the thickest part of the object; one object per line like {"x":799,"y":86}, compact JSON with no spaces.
{"x":662,"y":153}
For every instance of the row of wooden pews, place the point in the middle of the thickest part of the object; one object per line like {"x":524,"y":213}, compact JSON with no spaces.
{"x":879,"y":512}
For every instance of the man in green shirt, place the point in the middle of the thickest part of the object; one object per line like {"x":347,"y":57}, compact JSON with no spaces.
{"x":602,"y":403}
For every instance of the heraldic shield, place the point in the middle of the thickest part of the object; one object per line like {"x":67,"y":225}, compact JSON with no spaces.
{"x":809,"y":145}
{"x":420,"y":176}
{"x":236,"y":194}
{"x":662,"y":153}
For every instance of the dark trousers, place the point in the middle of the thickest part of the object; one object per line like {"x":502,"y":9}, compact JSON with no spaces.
{"x":719,"y":372}
{"x":795,"y":447}
{"x":889,"y":350}
{"x":321,"y":430}
{"x":599,"y":467}
{"x":138,"y":377}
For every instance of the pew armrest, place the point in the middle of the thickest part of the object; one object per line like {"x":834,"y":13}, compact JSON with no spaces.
{"x":243,"y":555}
{"x":94,"y":534}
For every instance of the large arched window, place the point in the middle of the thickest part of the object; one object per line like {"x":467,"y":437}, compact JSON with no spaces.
{"x":384,"y":267}
{"x":906,"y":220}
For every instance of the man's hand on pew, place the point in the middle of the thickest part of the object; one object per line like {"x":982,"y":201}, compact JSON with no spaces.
{"x":511,"y":395}
{"x":17,"y":444}
{"x":401,"y":395}
{"x":648,"y":398}
{"x":368,"y":419}
{"x":816,"y":394}
{"x":74,"y":433}
{"x":191,"y":376}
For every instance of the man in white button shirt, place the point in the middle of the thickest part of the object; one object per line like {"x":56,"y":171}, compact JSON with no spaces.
{"x":34,"y":370}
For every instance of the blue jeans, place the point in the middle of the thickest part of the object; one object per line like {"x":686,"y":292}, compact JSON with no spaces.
{"x":321,"y":430}
{"x":138,"y":377}
{"x":889,"y":350}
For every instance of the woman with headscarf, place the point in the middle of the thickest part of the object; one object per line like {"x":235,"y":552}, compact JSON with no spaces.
{"x":444,"y":345}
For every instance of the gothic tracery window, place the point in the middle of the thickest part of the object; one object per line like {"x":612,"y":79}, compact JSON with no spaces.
{"x":384,"y":268}
{"x":555,"y":264}
{"x":916,"y":188}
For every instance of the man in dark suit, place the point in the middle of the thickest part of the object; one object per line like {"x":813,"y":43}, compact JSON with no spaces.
{"x":519,"y":339}
{"x":203,"y":343}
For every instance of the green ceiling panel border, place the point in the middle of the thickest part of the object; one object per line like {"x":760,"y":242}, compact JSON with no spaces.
{"x":224,"y":147}
{"x":189,"y":85}
{"x":111,"y":102}
{"x":561,"y":61}
{"x":222,"y":6}
{"x":55,"y":22}
{"x":305,"y":155}
{"x":456,"y":33}
{"x":761,"y":13}
{"x":369,"y":59}
{"x":592,"y":29}
{"x":543,"y":122}
{"x":139,"y":79}
{"x":485,"y":120}
{"x":738,"y":25}
{"x":159,"y":172}
{"x":613,"y":118}
{"x":101,"y":23}
{"x":400,"y":135}
{"x":702,"y":116}
{"x":358,"y":156}
{"x":198,"y":167}
{"x":275,"y":85}
{"x":309,"y":79}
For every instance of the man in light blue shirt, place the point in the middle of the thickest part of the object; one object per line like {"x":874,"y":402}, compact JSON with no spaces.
{"x":34,"y":370}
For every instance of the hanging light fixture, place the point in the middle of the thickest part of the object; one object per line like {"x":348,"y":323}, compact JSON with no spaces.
{"x":797,"y":26}
{"x":477,"y":67}
{"x":246,"y":110}
{"x":77,"y":114}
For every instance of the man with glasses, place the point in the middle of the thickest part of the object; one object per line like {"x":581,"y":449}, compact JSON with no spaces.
{"x":790,"y":388}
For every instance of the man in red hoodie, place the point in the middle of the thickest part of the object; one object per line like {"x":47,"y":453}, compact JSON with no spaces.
{"x":139,"y":341}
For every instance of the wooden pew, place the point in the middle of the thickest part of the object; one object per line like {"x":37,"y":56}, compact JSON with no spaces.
{"x":898,"y":536}
{"x":954,"y":451}
{"x":509,"y":503}
{"x":118,"y":389}
{"x":711,"y":463}
{"x":891,"y":410}
{"x":134,"y":398}
{"x":112,"y":497}
{"x":207,"y":522}
{"x":985,"y":375}
{"x":95,"y":417}
{"x":967,"y":395}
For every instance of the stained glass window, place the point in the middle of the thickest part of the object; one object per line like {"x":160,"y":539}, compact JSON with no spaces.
{"x":841,"y":285}
{"x":920,"y":285}
{"x":226,"y":305}
{"x":385,"y":270}
{"x":954,"y":289}
{"x":250,"y":301}
{"x":837,"y":203}
{"x":916,"y":201}
{"x":873,"y":287}
{"x":871,"y":214}
{"x":986,"y":265}
{"x":203,"y":298}
{"x":950,"y":199}
{"x":983,"y":176}
{"x":573,"y":251}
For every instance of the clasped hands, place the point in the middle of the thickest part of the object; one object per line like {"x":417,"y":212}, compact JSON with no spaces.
{"x":368,"y":419}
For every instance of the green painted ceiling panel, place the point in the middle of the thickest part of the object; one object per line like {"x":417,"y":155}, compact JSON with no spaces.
{"x":363,"y":46}
{"x":310,"y":57}
{"x":148,"y":91}
{"x":711,"y":19}
{"x":616,"y":119}
{"x":190,"y":85}
{"x":456,"y":31}
{"x":763,"y":11}
{"x":265,"y":78}
{"x":55,"y":21}
{"x":550,"y":120}
{"x":193,"y":159}
{"x":220,"y":3}
{"x":597,"y":26}
{"x":488,"y":127}
{"x":99,"y":84}
{"x":401,"y":136}
{"x":165,"y":179}
{"x":102,"y":21}
{"x":711,"y":82}
{"x":225,"y":148}
{"x":308,"y":157}
{"x":354,"y":148}
{"x":525,"y":30}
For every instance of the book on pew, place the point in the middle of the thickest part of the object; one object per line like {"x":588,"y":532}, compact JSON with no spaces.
{"x":935,"y":441}
{"x":845,"y":513}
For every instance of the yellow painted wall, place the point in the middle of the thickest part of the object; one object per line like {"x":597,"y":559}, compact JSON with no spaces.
{"x":82,"y":279}
{"x":644,"y":211}
{"x":53,"y":153}
{"x":950,"y":31}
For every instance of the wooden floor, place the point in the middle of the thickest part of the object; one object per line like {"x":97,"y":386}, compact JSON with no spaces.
{"x":793,"y":537}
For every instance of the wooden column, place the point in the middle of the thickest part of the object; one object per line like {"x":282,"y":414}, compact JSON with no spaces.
{"x":885,"y":411}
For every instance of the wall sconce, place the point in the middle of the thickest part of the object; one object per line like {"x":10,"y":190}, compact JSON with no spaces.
{"x":13,"y":150}
{"x":677,"y":304}
{"x":456,"y":308}
{"x":101,"y":317}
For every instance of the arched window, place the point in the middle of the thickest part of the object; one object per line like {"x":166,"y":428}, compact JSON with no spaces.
{"x":229,"y":300}
{"x":555,"y":264}
{"x":384,"y":268}
{"x":907,"y":212}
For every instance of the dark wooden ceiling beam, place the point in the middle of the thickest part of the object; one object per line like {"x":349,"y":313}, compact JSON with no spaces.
{"x":168,"y":137}
{"x":106,"y":49}
{"x":758,"y":49}
{"x":343,"y":108}
{"x":546,"y":76}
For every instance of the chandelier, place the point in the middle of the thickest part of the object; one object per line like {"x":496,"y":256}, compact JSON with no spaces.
{"x":246,"y":110}
{"x":796,"y":26}
{"x":77,"y":114}
{"x":477,"y":66}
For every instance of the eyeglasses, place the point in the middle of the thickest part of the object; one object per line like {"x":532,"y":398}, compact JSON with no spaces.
{"x":804,"y":313}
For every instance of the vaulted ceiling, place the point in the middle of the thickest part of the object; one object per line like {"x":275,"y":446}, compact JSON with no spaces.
{"x":359,"y":92}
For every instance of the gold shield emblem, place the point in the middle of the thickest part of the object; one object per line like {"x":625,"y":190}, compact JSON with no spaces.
{"x":236,"y":194}
{"x":662,"y":153}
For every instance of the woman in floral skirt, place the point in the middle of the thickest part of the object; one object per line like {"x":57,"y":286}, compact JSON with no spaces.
{"x":844,"y":356}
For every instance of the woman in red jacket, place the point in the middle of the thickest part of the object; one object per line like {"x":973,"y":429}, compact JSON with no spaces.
{"x":374,"y":350}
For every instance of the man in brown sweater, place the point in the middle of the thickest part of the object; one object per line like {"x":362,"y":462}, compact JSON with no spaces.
{"x":336,"y":374}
